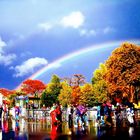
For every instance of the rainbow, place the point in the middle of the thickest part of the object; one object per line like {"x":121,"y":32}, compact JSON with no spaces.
{"x":77,"y":53}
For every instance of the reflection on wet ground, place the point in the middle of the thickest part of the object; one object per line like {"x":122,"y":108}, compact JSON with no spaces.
{"x":45,"y":131}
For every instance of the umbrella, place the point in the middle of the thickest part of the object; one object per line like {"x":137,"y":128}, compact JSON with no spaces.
{"x":82,"y":109}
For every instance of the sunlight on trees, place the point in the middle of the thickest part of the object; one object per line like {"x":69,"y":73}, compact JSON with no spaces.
{"x":123,"y":71}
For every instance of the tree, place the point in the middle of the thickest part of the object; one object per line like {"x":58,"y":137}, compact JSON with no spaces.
{"x":52,"y":91}
{"x":55,"y":79}
{"x":44,"y":99}
{"x":9,"y":94}
{"x":123,"y":72}
{"x":54,"y":86}
{"x":77,"y":80}
{"x":12,"y":97}
{"x":100,"y":92}
{"x":65,"y":94}
{"x":76,"y":92}
{"x":33,"y":87}
{"x":87,"y":95}
{"x":100,"y":88}
{"x":6,"y":92}
{"x":99,"y":73}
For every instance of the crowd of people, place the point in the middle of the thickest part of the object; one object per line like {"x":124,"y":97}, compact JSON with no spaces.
{"x":108,"y":115}
{"x":77,"y":115}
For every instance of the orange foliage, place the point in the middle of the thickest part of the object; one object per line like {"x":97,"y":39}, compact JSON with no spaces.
{"x":123,"y":70}
{"x":6,"y":92}
{"x":32,"y":86}
{"x":75,"y":94}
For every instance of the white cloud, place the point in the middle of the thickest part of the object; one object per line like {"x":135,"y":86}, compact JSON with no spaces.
{"x":5,"y":59}
{"x":45,"y":26}
{"x":2,"y":45}
{"x":75,"y":20}
{"x":108,"y":30}
{"x":87,"y":32}
{"x":29,"y":66}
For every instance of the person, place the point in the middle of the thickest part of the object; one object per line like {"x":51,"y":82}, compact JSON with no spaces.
{"x":54,"y":120}
{"x":1,"y":110}
{"x":23,"y":116}
{"x":17,"y":112}
{"x":58,"y":113}
{"x":107,"y":115}
{"x":5,"y":109}
{"x":83,"y":111}
{"x":130,"y":114}
{"x":70,"y":111}
{"x":23,"y":112}
{"x":98,"y":115}
{"x":43,"y":107}
{"x":43,"y":111}
{"x":118,"y":115}
{"x":77,"y":119}
{"x":80,"y":115}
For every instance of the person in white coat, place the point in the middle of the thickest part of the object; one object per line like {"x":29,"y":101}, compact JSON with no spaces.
{"x":130,"y":115}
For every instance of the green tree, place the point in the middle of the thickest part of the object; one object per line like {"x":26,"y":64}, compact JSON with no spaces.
{"x":52,"y":91}
{"x":44,"y":100}
{"x":55,"y":79}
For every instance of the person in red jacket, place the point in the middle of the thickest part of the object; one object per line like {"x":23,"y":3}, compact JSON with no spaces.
{"x":58,"y":112}
{"x":53,"y":115}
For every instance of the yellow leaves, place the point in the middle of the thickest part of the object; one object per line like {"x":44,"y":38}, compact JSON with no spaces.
{"x":86,"y":88}
{"x":65,"y":94}
{"x":123,"y":68}
{"x":87,"y":94}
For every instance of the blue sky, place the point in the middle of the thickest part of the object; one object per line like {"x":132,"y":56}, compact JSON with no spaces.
{"x":34,"y":33}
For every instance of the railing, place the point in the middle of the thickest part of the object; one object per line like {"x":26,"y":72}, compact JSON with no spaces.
{"x":39,"y":114}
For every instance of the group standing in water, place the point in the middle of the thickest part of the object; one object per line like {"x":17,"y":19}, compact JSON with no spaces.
{"x":110,"y":116}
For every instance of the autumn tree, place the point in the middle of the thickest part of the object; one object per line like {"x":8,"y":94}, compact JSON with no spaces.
{"x":87,"y":95}
{"x":99,"y":84}
{"x":123,"y":72}
{"x":9,"y":94}
{"x":76,"y":92}
{"x":5,"y":92}
{"x":34,"y":87}
{"x":77,"y":80}
{"x":65,"y":94}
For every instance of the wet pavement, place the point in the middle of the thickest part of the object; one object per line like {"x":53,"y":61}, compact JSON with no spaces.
{"x":22,"y":130}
